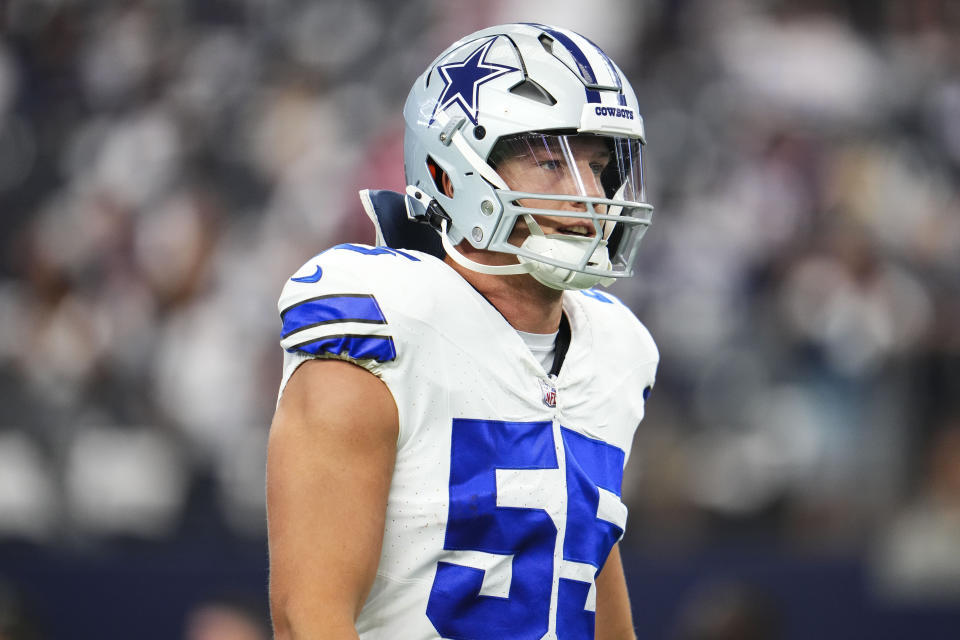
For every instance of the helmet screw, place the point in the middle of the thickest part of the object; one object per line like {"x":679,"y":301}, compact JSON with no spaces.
{"x":477,"y":234}
{"x":479,"y":132}
{"x":486,"y":207}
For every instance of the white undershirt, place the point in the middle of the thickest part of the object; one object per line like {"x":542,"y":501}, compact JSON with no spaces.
{"x":542,"y":345}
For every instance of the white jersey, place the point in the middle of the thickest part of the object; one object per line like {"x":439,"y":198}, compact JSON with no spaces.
{"x":505,"y":498}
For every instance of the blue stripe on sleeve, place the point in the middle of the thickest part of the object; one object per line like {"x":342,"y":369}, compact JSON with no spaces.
{"x":357,"y":307}
{"x":379,"y":348}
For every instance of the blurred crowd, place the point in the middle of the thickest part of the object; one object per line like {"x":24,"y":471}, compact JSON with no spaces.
{"x":166,"y":164}
{"x":803,"y":282}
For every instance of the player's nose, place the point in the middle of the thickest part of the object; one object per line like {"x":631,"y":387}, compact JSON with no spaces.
{"x":580,"y":206}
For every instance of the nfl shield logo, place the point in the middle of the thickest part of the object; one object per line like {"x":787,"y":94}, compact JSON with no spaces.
{"x":549,"y":393}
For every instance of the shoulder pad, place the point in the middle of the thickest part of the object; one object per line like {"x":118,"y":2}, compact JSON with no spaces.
{"x":388,"y":212}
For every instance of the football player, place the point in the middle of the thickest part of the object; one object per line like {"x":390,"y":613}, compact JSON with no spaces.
{"x":458,"y":401}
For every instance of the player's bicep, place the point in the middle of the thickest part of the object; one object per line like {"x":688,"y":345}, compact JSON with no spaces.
{"x":331,"y":453}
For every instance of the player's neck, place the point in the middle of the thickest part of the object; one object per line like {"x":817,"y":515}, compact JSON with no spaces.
{"x":525,"y":303}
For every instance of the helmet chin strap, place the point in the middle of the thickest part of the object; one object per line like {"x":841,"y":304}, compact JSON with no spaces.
{"x":538,"y":242}
{"x":467,"y":263}
{"x":567,"y":249}
{"x":548,"y":275}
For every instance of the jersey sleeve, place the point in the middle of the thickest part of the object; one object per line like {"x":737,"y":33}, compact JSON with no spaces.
{"x":330,"y":308}
{"x":644,"y":357}
{"x":622,"y":331}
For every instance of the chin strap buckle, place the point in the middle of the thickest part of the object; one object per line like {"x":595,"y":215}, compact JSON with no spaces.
{"x":422,"y":208}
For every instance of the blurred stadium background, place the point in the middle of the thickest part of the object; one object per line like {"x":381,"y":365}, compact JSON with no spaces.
{"x":165,"y":164}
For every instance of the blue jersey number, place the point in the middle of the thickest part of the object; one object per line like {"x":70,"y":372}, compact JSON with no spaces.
{"x":475,"y":523}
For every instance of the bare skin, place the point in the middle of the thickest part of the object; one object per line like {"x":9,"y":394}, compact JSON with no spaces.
{"x":329,"y":471}
{"x":328,"y":477}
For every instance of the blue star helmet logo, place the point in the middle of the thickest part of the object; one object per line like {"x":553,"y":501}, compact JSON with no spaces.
{"x":462,"y":81}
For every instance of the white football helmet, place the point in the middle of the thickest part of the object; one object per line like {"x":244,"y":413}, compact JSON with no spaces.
{"x":529,"y":120}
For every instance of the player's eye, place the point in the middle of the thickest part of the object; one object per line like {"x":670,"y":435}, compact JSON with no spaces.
{"x":550,"y":165}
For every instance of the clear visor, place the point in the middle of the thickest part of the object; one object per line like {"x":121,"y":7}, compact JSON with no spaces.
{"x":593,"y":177}
{"x":574,"y":165}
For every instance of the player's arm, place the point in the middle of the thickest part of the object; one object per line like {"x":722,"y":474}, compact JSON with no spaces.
{"x":614,"y":620}
{"x":330,"y":458}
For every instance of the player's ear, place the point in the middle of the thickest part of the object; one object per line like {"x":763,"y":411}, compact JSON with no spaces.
{"x":445,"y":184}
{"x":440,"y":178}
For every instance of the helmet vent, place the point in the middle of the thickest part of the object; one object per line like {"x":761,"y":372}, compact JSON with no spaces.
{"x":547,"y":43}
{"x":529,"y":89}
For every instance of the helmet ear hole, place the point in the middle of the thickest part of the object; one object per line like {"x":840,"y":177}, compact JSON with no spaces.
{"x":441,"y":179}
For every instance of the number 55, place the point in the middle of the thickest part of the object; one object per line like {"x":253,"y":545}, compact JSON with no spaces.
{"x":514,"y":519}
